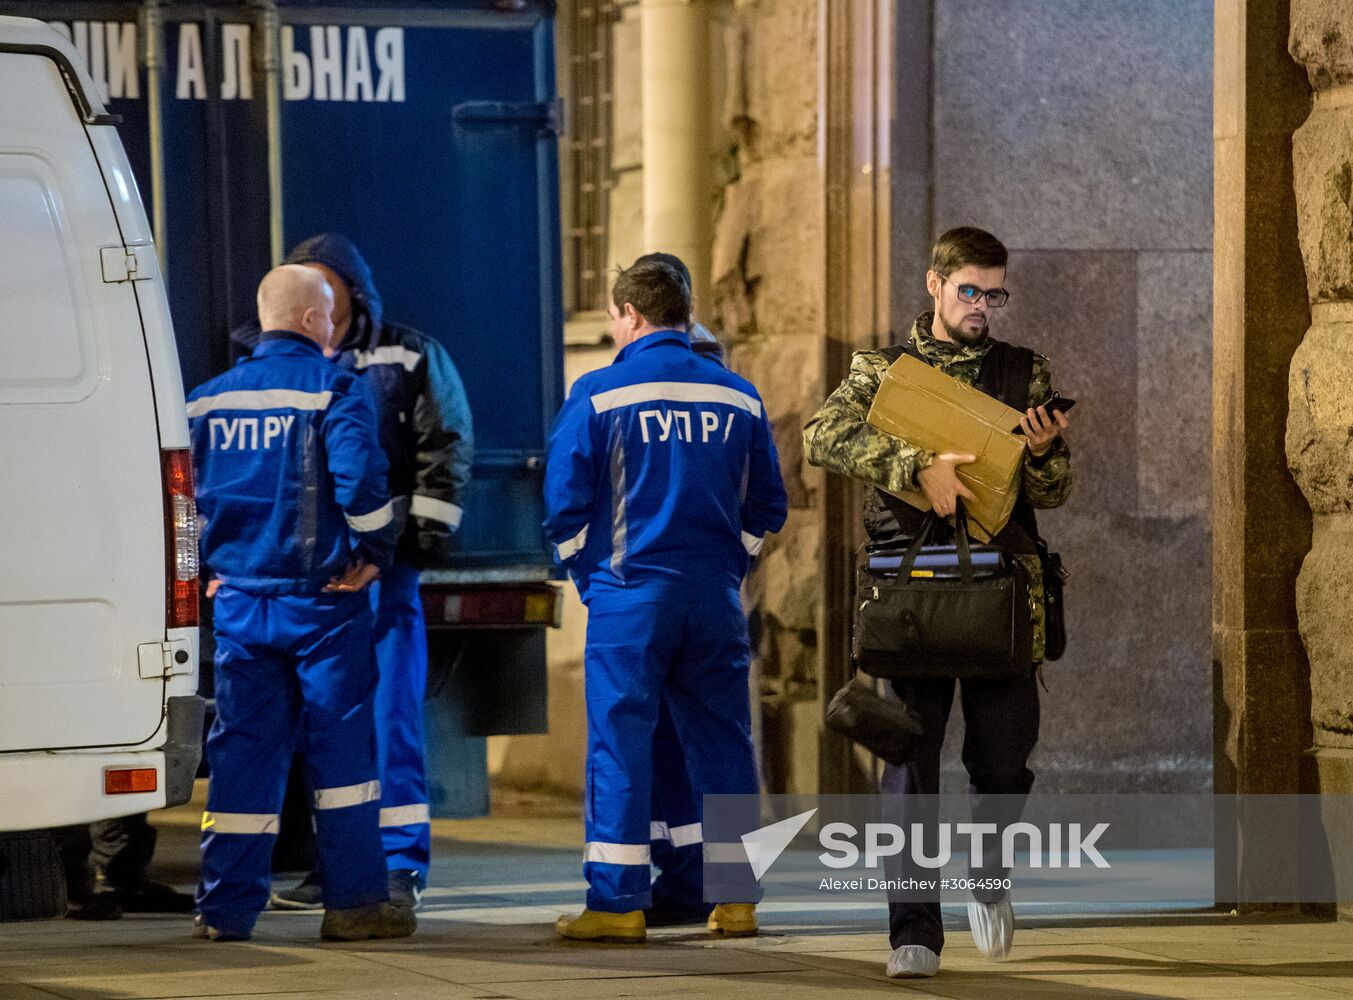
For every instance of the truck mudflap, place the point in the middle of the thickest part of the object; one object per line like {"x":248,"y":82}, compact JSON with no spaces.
{"x":183,"y":747}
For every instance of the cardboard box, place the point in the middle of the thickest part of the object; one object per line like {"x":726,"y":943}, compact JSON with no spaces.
{"x":932,"y":410}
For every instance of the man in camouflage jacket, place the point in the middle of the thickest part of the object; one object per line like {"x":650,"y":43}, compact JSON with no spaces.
{"x":1001,"y":715}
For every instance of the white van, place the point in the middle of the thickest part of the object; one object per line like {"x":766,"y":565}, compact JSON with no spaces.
{"x":99,"y":714}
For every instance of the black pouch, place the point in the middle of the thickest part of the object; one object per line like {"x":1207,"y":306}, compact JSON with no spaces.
{"x":937,"y":623}
{"x":888,"y":729}
{"x":1054,"y":606}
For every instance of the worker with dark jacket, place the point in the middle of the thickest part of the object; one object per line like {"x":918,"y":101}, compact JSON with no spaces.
{"x":427,"y":436}
{"x":296,"y":522}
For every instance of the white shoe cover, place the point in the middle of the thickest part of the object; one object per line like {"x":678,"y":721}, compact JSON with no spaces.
{"x":913,"y":961}
{"x":993,"y":927}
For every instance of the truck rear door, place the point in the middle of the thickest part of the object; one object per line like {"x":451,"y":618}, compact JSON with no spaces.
{"x":430,"y":142}
{"x":82,"y":512}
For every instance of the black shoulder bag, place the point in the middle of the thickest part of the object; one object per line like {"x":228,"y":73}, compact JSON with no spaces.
{"x":887,"y":728}
{"x":945,"y":611}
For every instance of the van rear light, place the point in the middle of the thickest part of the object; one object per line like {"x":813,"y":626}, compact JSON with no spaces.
{"x":129,"y":780}
{"x":180,"y":539}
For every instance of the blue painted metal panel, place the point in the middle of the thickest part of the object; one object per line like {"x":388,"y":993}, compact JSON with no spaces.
{"x":450,"y":217}
{"x":431,"y":148}
{"x":458,"y":214}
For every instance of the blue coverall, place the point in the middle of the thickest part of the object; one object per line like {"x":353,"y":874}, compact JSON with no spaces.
{"x":676,"y":831}
{"x":661,"y":480}
{"x":291,"y":490}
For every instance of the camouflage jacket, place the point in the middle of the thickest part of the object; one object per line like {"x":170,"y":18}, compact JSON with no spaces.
{"x":840,"y":439}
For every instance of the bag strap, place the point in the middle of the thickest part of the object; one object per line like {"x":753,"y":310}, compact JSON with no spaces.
{"x":923,"y":535}
{"x":961,"y":541}
{"x":914,"y":549}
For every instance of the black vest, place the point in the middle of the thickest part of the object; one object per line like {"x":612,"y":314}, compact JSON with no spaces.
{"x":1005,"y":375}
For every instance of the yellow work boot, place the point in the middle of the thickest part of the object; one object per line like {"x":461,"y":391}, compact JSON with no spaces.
{"x":597,"y":925}
{"x":733,"y":919}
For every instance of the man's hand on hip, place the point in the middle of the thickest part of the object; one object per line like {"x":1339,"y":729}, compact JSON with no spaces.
{"x":355,"y":578}
{"x":1041,"y":428}
{"x":940,"y":483}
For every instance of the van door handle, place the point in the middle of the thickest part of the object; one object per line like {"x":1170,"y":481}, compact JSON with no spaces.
{"x":133,"y":263}
{"x":164,"y":659}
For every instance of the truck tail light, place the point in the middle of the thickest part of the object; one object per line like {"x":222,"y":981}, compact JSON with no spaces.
{"x":180,"y":539}
{"x":492,"y":607}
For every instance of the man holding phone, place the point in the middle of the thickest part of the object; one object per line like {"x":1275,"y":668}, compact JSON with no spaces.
{"x":966,"y":282}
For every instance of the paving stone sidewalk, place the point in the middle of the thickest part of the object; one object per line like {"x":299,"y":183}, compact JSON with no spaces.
{"x":489,"y":938}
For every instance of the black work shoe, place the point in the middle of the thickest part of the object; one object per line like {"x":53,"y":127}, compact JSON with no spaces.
{"x":205,"y":932}
{"x":375,"y":920}
{"x":154,"y":897}
{"x":309,"y":895}
{"x":100,"y":906}
{"x":406,"y":887}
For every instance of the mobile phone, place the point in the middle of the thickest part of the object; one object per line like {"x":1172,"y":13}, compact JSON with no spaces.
{"x":1057,"y":404}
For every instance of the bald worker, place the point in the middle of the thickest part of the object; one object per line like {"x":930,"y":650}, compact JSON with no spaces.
{"x":296,"y":523}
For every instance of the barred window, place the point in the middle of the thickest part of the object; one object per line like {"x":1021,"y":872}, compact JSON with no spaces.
{"x":589,"y":150}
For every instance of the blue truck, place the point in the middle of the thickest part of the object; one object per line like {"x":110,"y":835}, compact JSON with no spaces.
{"x":426,"y":132}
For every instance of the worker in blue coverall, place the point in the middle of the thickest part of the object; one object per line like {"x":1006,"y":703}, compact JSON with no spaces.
{"x":661,"y":479}
{"x":296,"y":522}
{"x":427,"y":436}
{"x":676,"y":831}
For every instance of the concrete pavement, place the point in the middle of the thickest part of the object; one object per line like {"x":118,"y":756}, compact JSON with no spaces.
{"x":487,"y":936}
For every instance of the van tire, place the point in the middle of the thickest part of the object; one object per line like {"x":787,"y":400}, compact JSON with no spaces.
{"x":32,"y":883}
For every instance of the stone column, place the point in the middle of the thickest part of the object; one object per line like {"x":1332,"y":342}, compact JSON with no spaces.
{"x":676,"y":126}
{"x":857,"y":90}
{"x":769,"y":248}
{"x":1261,"y":524}
{"x":800,"y":280}
{"x":1320,"y":383}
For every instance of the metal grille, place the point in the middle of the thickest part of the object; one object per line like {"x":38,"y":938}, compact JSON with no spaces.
{"x":589,"y":145}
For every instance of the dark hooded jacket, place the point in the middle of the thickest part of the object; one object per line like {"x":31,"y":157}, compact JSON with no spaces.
{"x":425,"y":424}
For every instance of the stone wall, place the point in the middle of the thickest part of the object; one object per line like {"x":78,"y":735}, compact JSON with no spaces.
{"x":768,"y":290}
{"x":1320,"y":386}
{"x":1082,"y":138}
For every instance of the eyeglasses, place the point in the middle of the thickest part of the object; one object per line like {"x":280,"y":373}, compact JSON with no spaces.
{"x":996,"y":297}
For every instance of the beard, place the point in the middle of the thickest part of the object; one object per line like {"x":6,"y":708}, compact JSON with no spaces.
{"x":964,"y":336}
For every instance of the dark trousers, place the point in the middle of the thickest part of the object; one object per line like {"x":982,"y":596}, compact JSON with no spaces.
{"x":1001,"y":727}
{"x":120,"y":849}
